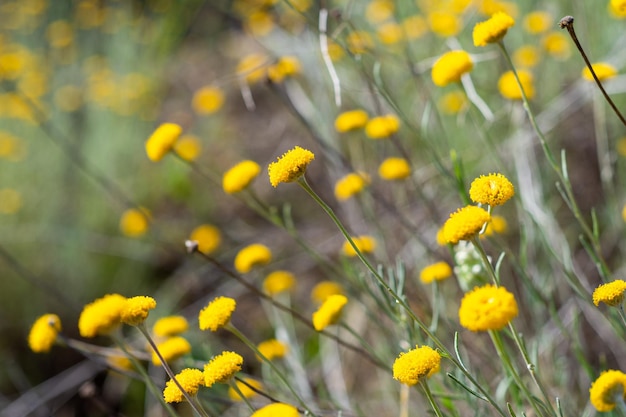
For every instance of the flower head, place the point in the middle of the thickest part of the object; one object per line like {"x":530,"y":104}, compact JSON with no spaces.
{"x":170,"y":326}
{"x":188,"y":147}
{"x":276,"y":410}
{"x":493,"y":29}
{"x":444,"y":23}
{"x":244,"y":388}
{"x":251,"y":256}
{"x":603,"y":71}
{"x":287,"y":66}
{"x":162,"y":140}
{"x":290,"y":166}
{"x":252,"y":68}
{"x":329,"y":312}
{"x":278,"y":281}
{"x":607,"y":390}
{"x":435,"y":272}
{"x":272,"y":349}
{"x":134,"y":222}
{"x":497,"y":225}
{"x":44,"y":333}
{"x":453,"y":102}
{"x":216,"y":314}
{"x":382,"y":127}
{"x":351,"y":120}
{"x":611,"y":294}
{"x":417,"y":363}
{"x":101,"y":316}
{"x":507,"y":84}
{"x":207,"y":100}
{"x":208,"y":238}
{"x":464,"y":224}
{"x":350,"y":185}
{"x":239,"y":177}
{"x":136,"y":309}
{"x":450,"y":67}
{"x":393,"y":169}
{"x":325,"y":289}
{"x":537,"y":22}
{"x":557,"y":45}
{"x":365,"y":244}
{"x":487,"y":308}
{"x":190,"y":379}
{"x":222,"y":368}
{"x":492,"y":189}
{"x":171,"y":349}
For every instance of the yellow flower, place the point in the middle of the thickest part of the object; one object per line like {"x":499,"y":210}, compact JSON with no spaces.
{"x":276,"y":410}
{"x":464,"y":224}
{"x":170,"y":326}
{"x":216,"y":314}
{"x":620,"y":147}
{"x":134,"y":222}
{"x":351,"y":120}
{"x":189,"y":379}
{"x":119,"y":362}
{"x":44,"y":333}
{"x":365,"y":244}
{"x":493,"y":29}
{"x":453,"y":102}
{"x":435,"y":272}
{"x":325,"y":289}
{"x":188,"y":147}
{"x":450,"y":67}
{"x":359,"y":42}
{"x":537,"y":22}
{"x":607,"y":390}
{"x":244,"y":388}
{"x":417,"y":363}
{"x":208,"y":238}
{"x":611,"y":294}
{"x":291,"y":166}
{"x":489,"y":7}
{"x":393,"y":169}
{"x":272,"y":349}
{"x":487,"y":308}
{"x":251,"y":256}
{"x":162,"y":140}
{"x":259,"y":23}
{"x":239,"y":177}
{"x":390,"y":33}
{"x":526,"y":56}
{"x":497,"y":225}
{"x":12,"y":147}
{"x":510,"y":89}
{"x":382,"y":127}
{"x":618,"y":8}
{"x":278,"y":281}
{"x":444,"y":24}
{"x":414,"y":27}
{"x":171,"y":349}
{"x":557,"y":45}
{"x":207,"y":100}
{"x":60,"y":34}
{"x":377,"y":11}
{"x":252,"y":68}
{"x":603,"y":71}
{"x":329,"y":312}
{"x":101,"y":316}
{"x":492,"y":189}
{"x":287,"y":66}
{"x":350,"y":185}
{"x":222,"y":368}
{"x":136,"y":310}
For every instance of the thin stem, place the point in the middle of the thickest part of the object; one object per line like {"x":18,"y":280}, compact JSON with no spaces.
{"x":235,"y":387}
{"x":621,"y":314}
{"x":483,"y":255}
{"x":430,"y":397}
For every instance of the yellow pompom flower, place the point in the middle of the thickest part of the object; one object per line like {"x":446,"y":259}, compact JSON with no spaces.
{"x":239,"y":177}
{"x":170,"y":326}
{"x":252,"y":68}
{"x":291,"y":166}
{"x":618,"y":8}
{"x":394,"y":169}
{"x":171,"y":349}
{"x":216,"y":314}
{"x":453,"y":102}
{"x":278,"y":281}
{"x":272,"y":349}
{"x":252,"y":256}
{"x":208,"y":238}
{"x":101,"y":316}
{"x":188,"y":147}
{"x":492,"y":189}
{"x":244,"y":388}
{"x":493,"y":29}
{"x":526,"y":56}
{"x":414,"y":27}
{"x":325,"y":289}
{"x":487,"y":308}
{"x":497,"y":225}
{"x":611,"y":294}
{"x":276,"y":410}
{"x":287,"y":66}
{"x":603,"y":71}
{"x":537,"y":22}
{"x":359,"y":42}
{"x":390,"y":33}
{"x":450,"y":67}
{"x":382,"y":127}
{"x":417,"y":363}
{"x":444,"y":24}
{"x":44,"y":333}
{"x":222,"y":368}
{"x":435,"y":272}
{"x":134,"y":222}
{"x":351,"y":120}
{"x":557,"y":45}
{"x":377,"y":11}
{"x":60,"y":34}
{"x":136,"y":310}
{"x":607,"y":390}
{"x":329,"y":312}
{"x":189,"y":379}
{"x":207,"y":100}
{"x":350,"y":185}
{"x":162,"y":140}
{"x":464,"y":224}
{"x":365,"y":244}
{"x":507,"y":84}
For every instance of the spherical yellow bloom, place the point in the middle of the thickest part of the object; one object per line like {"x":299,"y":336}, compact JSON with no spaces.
{"x":526,"y":56}
{"x":607,"y":390}
{"x":617,"y":8}
{"x":278,"y":281}
{"x":272,"y":349}
{"x":435,"y":272}
{"x":222,"y":368}
{"x":497,"y":225}
{"x":377,"y":11}
{"x":276,"y":410}
{"x":490,"y":7}
{"x":240,"y":176}
{"x":189,"y":379}
{"x":611,"y":294}
{"x":259,"y":23}
{"x":287,"y":66}
{"x":329,"y":312}
{"x":557,"y":45}
{"x":136,"y":310}
{"x":208,"y":238}
{"x":101,"y":316}
{"x":216,"y":314}
{"x":390,"y":33}
{"x":171,"y":349}
{"x":207,"y":100}
{"x":510,"y":89}
{"x":12,"y":147}
{"x":325,"y":289}
{"x":134,"y":222}
{"x":245,"y":389}
{"x":414,"y":27}
{"x":487,"y":308}
{"x":188,"y":147}
{"x":252,"y":68}
{"x":365,"y":244}
{"x":170,"y":326}
{"x":350,"y":185}
{"x":393,"y":169}
{"x":162,"y":140}
{"x":417,"y":363}
{"x":382,"y":127}
{"x":450,"y":67}
{"x":453,"y":102}
{"x":359,"y":42}
{"x":290,"y":166}
{"x":492,"y":189}
{"x":351,"y":120}
{"x":60,"y":34}
{"x":537,"y":22}
{"x":252,"y":256}
{"x":603,"y":71}
{"x":493,"y":29}
{"x":10,"y":201}
{"x":44,"y":333}
{"x":464,"y":224}
{"x":444,"y":24}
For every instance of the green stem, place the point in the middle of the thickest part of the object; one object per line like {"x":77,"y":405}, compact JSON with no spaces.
{"x":362,"y":341}
{"x":235,"y":387}
{"x":430,"y":397}
{"x":483,"y":255}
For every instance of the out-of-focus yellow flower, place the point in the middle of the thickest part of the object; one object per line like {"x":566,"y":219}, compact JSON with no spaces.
{"x":12,"y":147}
{"x":390,"y":33}
{"x":335,"y":51}
{"x":188,"y":147}
{"x":618,"y":8}
{"x":497,"y":225}
{"x":68,"y":98}
{"x":170,"y":326}
{"x":325,"y":289}
{"x":252,"y":256}
{"x":329,"y":312}
{"x":526,"y":56}
{"x":60,"y":34}
{"x":134,"y":222}
{"x":207,"y":100}
{"x":208,"y":237}
{"x":259,"y":23}
{"x":493,"y":29}
{"x":365,"y":244}
{"x":414,"y":27}
{"x":382,"y":127}
{"x":239,"y":177}
{"x":417,"y":363}
{"x":44,"y":333}
{"x":507,"y":84}
{"x":33,"y":84}
{"x":450,"y":67}
{"x":351,"y":120}
{"x":253,"y":68}
{"x":350,"y":185}
{"x":537,"y":22}
{"x":290,"y":166}
{"x":603,"y":71}
{"x":244,"y":389}
{"x":490,"y":7}
{"x":101,"y":316}
{"x":278,"y":281}
{"x":287,"y":66}
{"x":359,"y":42}
{"x":276,"y":410}
{"x":435,"y":272}
{"x":171,"y":349}
{"x":162,"y":140}
{"x":453,"y":102}
{"x":377,"y":11}
{"x":444,"y":24}
{"x":557,"y":45}
{"x":89,"y":14}
{"x":10,"y":201}
{"x":272,"y":349}
{"x":394,"y":169}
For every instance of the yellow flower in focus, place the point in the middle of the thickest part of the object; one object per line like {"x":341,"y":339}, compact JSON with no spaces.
{"x":208,"y":238}
{"x":607,"y":390}
{"x":216,"y":314}
{"x":101,"y":316}
{"x":188,"y":147}
{"x":291,"y":166}
{"x":325,"y":289}
{"x":60,"y":34}
{"x":435,"y":272}
{"x":134,"y":222}
{"x":10,"y":201}
{"x":510,"y":89}
{"x":207,"y":100}
{"x":393,"y":169}
{"x":377,"y":11}
{"x":350,"y":185}
{"x":537,"y":22}
{"x":272,"y":349}
{"x":464,"y":224}
{"x":44,"y":333}
{"x":414,"y":27}
{"x":189,"y":379}
{"x":162,"y":141}
{"x":252,"y":256}
{"x":244,"y":388}
{"x":417,"y":363}
{"x":252,"y":68}
{"x":170,"y":326}
{"x":351,"y":120}
{"x":359,"y":42}
{"x":365,"y":244}
{"x":287,"y":66}
{"x":278,"y":281}
{"x":239,"y":177}
{"x":492,"y":189}
{"x":493,"y":29}
{"x":444,"y":24}
{"x":171,"y":349}
{"x":450,"y":67}
{"x":453,"y":102}
{"x":526,"y":56}
{"x":382,"y":127}
{"x":603,"y":71}
{"x":276,"y":410}
{"x":497,"y":225}
{"x":611,"y":294}
{"x":222,"y":368}
{"x":390,"y":33}
{"x":136,"y":310}
{"x":329,"y":312}
{"x":557,"y":45}
{"x":487,"y":308}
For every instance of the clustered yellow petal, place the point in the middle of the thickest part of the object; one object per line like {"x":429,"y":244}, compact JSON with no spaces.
{"x":162,"y":140}
{"x":272,"y":349}
{"x":493,"y":29}
{"x":101,"y":316}
{"x":278,"y":281}
{"x":136,"y":309}
{"x":464,"y":224}
{"x":216,"y":314}
{"x":240,"y":176}
{"x":189,"y":379}
{"x":382,"y":127}
{"x":171,"y":349}
{"x":435,"y":272}
{"x":603,"y":71}
{"x":290,"y":166}
{"x":351,"y":120}
{"x":607,"y":389}
{"x":44,"y":333}
{"x":276,"y":410}
{"x":611,"y":294}
{"x":325,"y":289}
{"x":170,"y":326}
{"x":393,"y":169}
{"x":450,"y":67}
{"x":208,"y":238}
{"x":222,"y":368}
{"x":251,"y":256}
{"x":329,"y":312}
{"x":492,"y":189}
{"x":417,"y":363}
{"x":365,"y":244}
{"x":244,"y":388}
{"x":350,"y":185}
{"x":509,"y":88}
{"x":487,"y":308}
